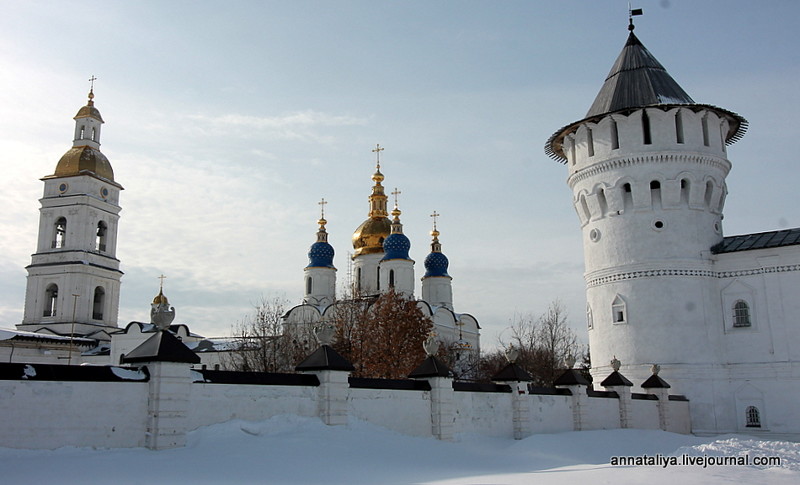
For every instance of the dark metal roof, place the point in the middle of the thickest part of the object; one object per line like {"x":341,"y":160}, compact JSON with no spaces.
{"x":325,"y":358}
{"x":637,"y":79}
{"x":571,"y":377}
{"x":655,"y":382}
{"x":616,"y":379}
{"x":761,"y":240}
{"x":162,"y":347}
{"x":512,"y":372}
{"x":431,"y":367}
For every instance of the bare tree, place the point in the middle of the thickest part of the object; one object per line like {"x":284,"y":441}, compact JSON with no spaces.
{"x":546,"y":343}
{"x":260,"y":343}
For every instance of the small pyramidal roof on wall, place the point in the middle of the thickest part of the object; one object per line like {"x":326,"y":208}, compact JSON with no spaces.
{"x":162,"y":347}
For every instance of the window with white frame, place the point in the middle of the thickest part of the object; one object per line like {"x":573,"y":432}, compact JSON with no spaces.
{"x":619,"y":312}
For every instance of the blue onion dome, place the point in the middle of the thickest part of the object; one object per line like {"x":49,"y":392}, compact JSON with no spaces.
{"x":436,"y":262}
{"x":321,"y":253}
{"x":396,"y":245}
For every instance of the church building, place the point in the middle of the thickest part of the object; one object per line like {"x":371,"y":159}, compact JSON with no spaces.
{"x":381,"y":263}
{"x":664,"y":285}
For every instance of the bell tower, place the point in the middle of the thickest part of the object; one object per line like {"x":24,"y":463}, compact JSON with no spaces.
{"x":74,"y":277}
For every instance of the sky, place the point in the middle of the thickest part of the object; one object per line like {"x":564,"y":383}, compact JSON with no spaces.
{"x":291,"y":449}
{"x":227,"y":122}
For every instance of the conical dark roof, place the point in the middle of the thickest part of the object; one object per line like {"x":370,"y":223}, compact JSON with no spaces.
{"x":325,"y":358}
{"x":637,"y":79}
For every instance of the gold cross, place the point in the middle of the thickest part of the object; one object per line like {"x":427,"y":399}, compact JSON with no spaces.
{"x":162,"y":278}
{"x":377,"y":150}
{"x":395,"y":194}
{"x":92,"y":80}
{"x":322,"y":204}
{"x":435,"y":215}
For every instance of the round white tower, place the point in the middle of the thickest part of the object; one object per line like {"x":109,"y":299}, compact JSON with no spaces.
{"x":74,"y":277}
{"x":647,"y":168}
{"x":320,"y":274}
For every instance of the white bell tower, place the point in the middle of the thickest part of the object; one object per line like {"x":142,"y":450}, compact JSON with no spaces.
{"x":74,"y":277}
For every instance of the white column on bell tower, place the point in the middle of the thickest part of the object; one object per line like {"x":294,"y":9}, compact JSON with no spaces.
{"x":74,"y":277}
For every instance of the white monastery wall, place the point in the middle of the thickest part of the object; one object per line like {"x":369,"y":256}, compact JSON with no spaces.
{"x":604,"y":414}
{"x":484,"y":413}
{"x":398,"y":410}
{"x":550,"y":414}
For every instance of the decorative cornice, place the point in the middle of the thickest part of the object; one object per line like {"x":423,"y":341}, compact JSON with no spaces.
{"x":694,"y":273}
{"x":622,"y":162}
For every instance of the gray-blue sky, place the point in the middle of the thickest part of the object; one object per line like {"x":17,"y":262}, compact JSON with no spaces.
{"x":226,"y":122}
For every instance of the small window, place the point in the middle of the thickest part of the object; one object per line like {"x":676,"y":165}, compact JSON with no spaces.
{"x":50,"y":301}
{"x":572,"y":150}
{"x":309,"y":285}
{"x":705,"y":130}
{"x":121,"y":359}
{"x":678,"y":127}
{"x":391,"y":278}
{"x":100,"y":239}
{"x":83,"y":132}
{"x":99,"y":303}
{"x":378,"y":275}
{"x":216,"y":366}
{"x":647,"y":139}
{"x":94,"y":134}
{"x":589,"y":318}
{"x":614,"y":135}
{"x":358,"y":281}
{"x":685,"y":185}
{"x":753,"y":417}
{"x":590,"y":141}
{"x":741,"y":314}
{"x":619,"y":310}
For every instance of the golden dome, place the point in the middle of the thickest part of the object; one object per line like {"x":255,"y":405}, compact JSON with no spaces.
{"x":89,"y":111}
{"x":160,"y":299}
{"x":369,"y":236}
{"x":85,"y":158}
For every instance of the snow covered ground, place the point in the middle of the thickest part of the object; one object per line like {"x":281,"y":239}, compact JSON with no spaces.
{"x":296,"y":450}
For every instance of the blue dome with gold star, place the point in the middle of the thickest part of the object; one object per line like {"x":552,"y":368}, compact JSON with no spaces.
{"x":396,"y":246}
{"x":436,"y":265}
{"x":320,"y":255}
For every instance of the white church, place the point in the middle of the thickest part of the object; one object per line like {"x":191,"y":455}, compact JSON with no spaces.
{"x":381,"y":263}
{"x":647,"y":167}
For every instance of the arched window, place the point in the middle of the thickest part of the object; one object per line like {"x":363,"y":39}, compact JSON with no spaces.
{"x":121,"y":359}
{"x":50,"y":300}
{"x":391,"y":278}
{"x":309,"y":285}
{"x":678,"y":127}
{"x":655,"y":193}
{"x":59,"y":233}
{"x":83,"y":131}
{"x":627,"y":195}
{"x":614,"y":135}
{"x":753,"y":417}
{"x":741,"y":314}
{"x":100,"y":240}
{"x":589,"y":317}
{"x":94,"y":134}
{"x":378,"y":276}
{"x":358,"y":281}
{"x":99,"y":302}
{"x":619,"y":312}
{"x":709,"y":193}
{"x":590,"y":141}
{"x":705,"y":130}
{"x":685,"y":187}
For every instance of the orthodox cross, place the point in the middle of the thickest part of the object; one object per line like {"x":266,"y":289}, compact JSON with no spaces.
{"x":377,"y":151}
{"x":322,"y":205}
{"x":395,"y":194}
{"x":435,"y":215}
{"x":162,"y":278}
{"x":92,"y":80}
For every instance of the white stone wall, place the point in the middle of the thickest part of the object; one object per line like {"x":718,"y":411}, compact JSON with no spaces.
{"x":158,"y":413}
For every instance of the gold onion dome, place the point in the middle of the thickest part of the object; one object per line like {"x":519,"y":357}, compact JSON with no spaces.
{"x":160,"y":298}
{"x":369,"y":236}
